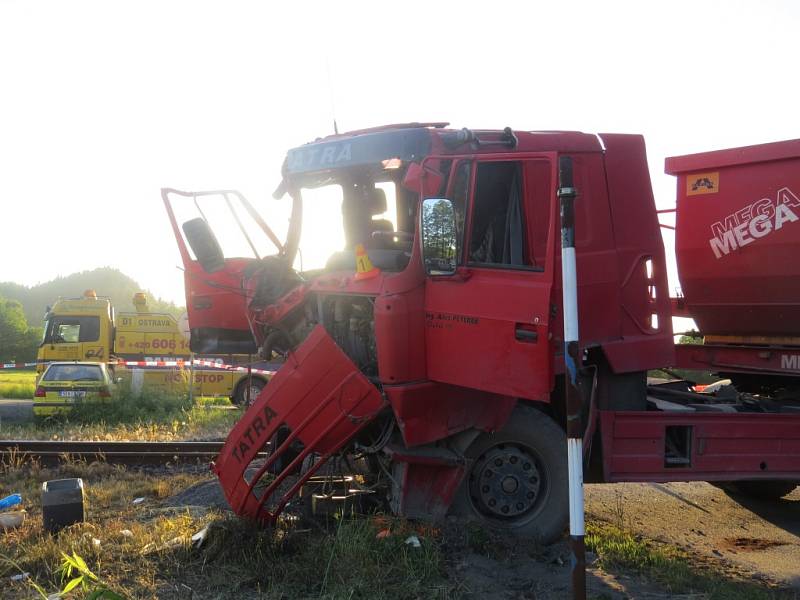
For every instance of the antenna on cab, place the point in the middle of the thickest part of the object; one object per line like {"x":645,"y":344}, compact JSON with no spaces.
{"x":333,"y":99}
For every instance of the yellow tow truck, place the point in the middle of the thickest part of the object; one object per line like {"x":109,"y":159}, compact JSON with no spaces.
{"x":86,"y":329}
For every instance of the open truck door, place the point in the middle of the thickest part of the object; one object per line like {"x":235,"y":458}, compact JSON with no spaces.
{"x":222,"y":241}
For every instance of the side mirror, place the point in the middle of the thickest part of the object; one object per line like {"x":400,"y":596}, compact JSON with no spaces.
{"x":439,"y":236}
{"x":204,"y":244}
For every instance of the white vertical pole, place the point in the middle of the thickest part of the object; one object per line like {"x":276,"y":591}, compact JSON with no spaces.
{"x":574,"y":403}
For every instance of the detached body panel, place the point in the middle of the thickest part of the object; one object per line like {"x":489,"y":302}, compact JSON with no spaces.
{"x":318,"y":400}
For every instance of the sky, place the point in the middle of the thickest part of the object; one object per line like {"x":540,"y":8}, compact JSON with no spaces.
{"x":103,"y":103}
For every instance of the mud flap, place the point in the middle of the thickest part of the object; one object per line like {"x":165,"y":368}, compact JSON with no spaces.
{"x":318,"y":401}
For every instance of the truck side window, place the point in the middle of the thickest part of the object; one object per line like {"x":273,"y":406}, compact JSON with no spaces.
{"x":69,"y":330}
{"x":460,"y":195}
{"x":90,"y":329}
{"x":498,"y":226}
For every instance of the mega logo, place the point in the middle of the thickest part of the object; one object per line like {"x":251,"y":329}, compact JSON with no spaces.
{"x":790,"y":362}
{"x":754,"y":221}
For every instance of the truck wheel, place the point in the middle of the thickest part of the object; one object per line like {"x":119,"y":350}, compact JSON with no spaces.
{"x":763,"y":490}
{"x":245,"y":395}
{"x":517,"y":478}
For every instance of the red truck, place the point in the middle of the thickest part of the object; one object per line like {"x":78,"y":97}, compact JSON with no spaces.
{"x":428,"y":350}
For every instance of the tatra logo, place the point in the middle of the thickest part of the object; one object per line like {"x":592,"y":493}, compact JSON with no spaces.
{"x":329,"y":154}
{"x":254,"y":434}
{"x":754,"y":221}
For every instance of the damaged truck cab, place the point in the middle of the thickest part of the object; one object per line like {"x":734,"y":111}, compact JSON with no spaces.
{"x":427,"y":347}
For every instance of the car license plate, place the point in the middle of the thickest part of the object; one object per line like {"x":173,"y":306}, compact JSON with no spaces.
{"x":72,"y":393}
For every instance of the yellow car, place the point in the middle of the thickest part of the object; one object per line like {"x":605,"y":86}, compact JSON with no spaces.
{"x":64,"y":384}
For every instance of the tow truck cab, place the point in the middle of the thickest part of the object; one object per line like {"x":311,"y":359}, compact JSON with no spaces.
{"x":77,"y":329}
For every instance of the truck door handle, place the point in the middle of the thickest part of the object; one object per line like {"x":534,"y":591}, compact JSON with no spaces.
{"x":526,"y":333}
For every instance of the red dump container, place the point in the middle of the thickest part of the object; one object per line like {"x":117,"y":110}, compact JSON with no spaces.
{"x":737,"y":238}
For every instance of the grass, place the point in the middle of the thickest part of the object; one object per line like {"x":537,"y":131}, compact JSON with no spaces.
{"x":109,"y":493}
{"x":18,"y":385}
{"x":127,"y":416}
{"x":346,"y":561}
{"x":671,"y":568}
{"x":144,"y":550}
{"x":195,"y":423}
{"x":238,"y":560}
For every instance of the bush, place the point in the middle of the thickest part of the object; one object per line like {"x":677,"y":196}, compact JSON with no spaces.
{"x":127,"y":406}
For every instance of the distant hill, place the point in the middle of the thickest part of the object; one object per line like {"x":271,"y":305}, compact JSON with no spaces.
{"x":105,"y":281}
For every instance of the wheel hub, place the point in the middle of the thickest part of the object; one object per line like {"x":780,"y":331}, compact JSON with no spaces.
{"x":510,"y":485}
{"x":251,"y":392}
{"x":505,"y":481}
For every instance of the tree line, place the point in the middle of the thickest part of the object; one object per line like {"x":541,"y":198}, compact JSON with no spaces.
{"x":18,"y":341}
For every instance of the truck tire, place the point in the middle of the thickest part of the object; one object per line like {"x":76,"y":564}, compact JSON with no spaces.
{"x":773,"y":489}
{"x":245,"y":395}
{"x":516,"y":479}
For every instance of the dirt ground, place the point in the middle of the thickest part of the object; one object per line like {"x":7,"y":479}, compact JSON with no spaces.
{"x":543,"y":575}
{"x":756,"y":538}
{"x":491,"y":568}
{"x":746,"y":539}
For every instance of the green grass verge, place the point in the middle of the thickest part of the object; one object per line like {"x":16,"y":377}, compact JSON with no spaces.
{"x":130,"y":416}
{"x":18,"y":385}
{"x":673,"y":569}
{"x":345,"y":561}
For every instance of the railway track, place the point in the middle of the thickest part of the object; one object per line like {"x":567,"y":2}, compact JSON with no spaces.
{"x":50,"y":453}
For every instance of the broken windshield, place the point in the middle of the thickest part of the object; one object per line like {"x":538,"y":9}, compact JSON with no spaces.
{"x":236,"y":231}
{"x":336,"y":216}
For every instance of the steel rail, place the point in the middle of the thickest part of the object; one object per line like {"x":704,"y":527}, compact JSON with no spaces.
{"x":52,"y":452}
